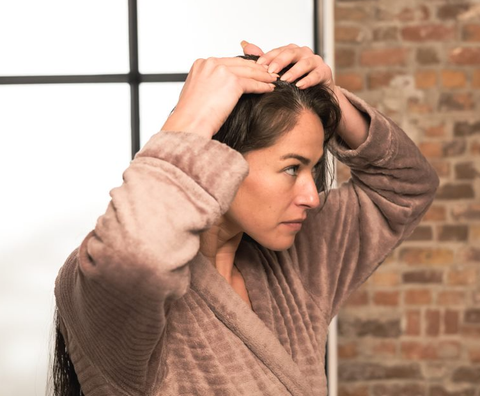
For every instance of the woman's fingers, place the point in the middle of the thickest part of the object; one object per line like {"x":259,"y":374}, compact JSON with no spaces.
{"x":251,"y":49}
{"x":259,"y":75}
{"x":266,"y":58}
{"x":302,"y":67}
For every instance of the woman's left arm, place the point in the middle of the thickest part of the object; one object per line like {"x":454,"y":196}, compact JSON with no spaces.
{"x":353,"y":128}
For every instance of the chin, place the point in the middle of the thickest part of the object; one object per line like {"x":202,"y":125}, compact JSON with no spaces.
{"x":275,"y":244}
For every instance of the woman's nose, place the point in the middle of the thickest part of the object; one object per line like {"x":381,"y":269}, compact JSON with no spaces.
{"x":308,"y":194}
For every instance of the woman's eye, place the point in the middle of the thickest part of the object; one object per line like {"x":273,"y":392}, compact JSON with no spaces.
{"x":292,"y":170}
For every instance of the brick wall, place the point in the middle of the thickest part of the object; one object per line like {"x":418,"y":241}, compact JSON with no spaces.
{"x":414,"y":327}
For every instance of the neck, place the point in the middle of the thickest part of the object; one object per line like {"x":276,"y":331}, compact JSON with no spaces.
{"x":219,"y":244}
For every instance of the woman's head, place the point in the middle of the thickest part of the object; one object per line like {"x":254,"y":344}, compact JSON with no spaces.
{"x":258,"y":121}
{"x":283,"y":136}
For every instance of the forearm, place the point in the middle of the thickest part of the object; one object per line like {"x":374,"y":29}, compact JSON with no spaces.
{"x":354,"y":124}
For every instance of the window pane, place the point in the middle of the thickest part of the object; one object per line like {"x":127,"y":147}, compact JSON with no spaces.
{"x":173,"y":34}
{"x":51,"y":37}
{"x":64,"y":147}
{"x":157,"y":100}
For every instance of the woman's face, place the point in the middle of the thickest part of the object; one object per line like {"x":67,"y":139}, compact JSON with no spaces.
{"x":280,"y":186}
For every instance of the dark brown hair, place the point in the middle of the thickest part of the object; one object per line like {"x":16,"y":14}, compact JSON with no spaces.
{"x":258,"y":121}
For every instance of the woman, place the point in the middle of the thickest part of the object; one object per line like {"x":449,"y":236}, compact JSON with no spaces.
{"x":216,"y":271}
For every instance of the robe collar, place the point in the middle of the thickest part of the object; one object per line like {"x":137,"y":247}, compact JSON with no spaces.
{"x":235,"y":313}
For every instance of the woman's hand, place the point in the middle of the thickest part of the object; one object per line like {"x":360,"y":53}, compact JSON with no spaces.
{"x":354,"y":124}
{"x":212,"y":90}
{"x":306,"y":63}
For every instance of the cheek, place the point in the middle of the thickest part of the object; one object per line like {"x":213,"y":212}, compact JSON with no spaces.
{"x":259,"y":204}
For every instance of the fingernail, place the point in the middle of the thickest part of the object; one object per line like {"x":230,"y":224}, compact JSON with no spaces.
{"x":244,"y":43}
{"x":300,"y":84}
{"x":272,"y":68}
{"x":261,"y":61}
{"x":285,"y":77}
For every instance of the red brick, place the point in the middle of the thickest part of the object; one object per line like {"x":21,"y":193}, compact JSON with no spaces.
{"x":415,"y":350}
{"x":385,"y":348}
{"x":350,"y":81}
{"x":472,"y":316}
{"x":450,"y":191}
{"x":451,"y":298}
{"x":465,"y":128}
{"x":436,"y":213}
{"x":385,"y":279}
{"x":413,"y":323}
{"x":380,"y":79}
{"x":469,"y":254}
{"x":454,"y":148}
{"x":475,"y":148}
{"x":360,"y":297}
{"x":451,"y":232}
{"x":423,"y":276}
{"x":442,"y":168}
{"x":465,"y":56}
{"x":474,"y":354}
{"x":454,"y":79}
{"x":421,"y":233}
{"x":467,"y":276}
{"x":415,"y":105}
{"x":431,"y":149}
{"x":470,"y":331}
{"x":466,"y":171}
{"x":428,"y":33}
{"x":432,"y":320}
{"x":436,"y":131}
{"x":410,"y":389}
{"x":467,"y":374}
{"x":385,"y":33}
{"x":456,"y":101}
{"x":353,"y":14}
{"x":386,"y":298}
{"x":451,"y":11}
{"x":384,"y":57}
{"x":353,"y":390}
{"x":476,"y":79}
{"x":425,"y":79}
{"x":471,"y":32}
{"x":344,"y":57}
{"x":475,"y":233}
{"x":438,"y":390}
{"x":427,"y":56}
{"x":418,"y":297}
{"x":347,"y":351}
{"x":451,"y":321}
{"x":470,"y":212}
{"x":349,"y":34}
{"x":405,"y":14}
{"x":426,"y":256}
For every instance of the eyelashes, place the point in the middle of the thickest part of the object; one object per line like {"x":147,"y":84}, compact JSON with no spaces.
{"x":294,"y":169}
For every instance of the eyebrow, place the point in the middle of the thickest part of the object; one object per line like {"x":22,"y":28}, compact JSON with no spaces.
{"x":301,"y":158}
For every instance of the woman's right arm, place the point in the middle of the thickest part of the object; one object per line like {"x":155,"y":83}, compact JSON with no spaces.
{"x":114,"y":292}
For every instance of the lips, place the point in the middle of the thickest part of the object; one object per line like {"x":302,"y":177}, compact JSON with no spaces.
{"x":294,"y":225}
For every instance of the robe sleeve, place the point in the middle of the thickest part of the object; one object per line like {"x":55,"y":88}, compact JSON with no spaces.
{"x":113,"y":293}
{"x":361,"y":222}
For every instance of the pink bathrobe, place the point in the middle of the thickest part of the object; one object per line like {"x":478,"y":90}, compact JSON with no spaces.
{"x":144,"y":313}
